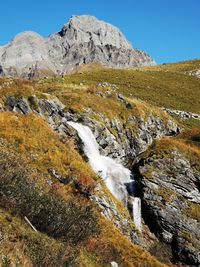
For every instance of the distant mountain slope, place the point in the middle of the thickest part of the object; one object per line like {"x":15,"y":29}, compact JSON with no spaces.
{"x":82,"y":40}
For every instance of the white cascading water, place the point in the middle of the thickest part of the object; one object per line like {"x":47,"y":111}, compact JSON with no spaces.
{"x":115,"y":176}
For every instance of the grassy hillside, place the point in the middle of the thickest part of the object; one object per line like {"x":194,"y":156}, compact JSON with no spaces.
{"x":181,"y":67}
{"x":71,"y":230}
{"x":163,"y":85}
{"x":166,"y":85}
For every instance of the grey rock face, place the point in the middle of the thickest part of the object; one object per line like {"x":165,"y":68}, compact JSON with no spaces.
{"x":171,"y":199}
{"x":83,"y":40}
{"x":18,"y":105}
{"x":126,"y":145}
{"x":26,"y":53}
{"x":83,"y":29}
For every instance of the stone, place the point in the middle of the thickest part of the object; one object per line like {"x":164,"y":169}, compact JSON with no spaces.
{"x":114,"y":264}
{"x":167,"y":237}
{"x":194,"y":73}
{"x":19,"y":105}
{"x":121,"y":97}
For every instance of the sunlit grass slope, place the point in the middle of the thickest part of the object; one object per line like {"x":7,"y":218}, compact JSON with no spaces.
{"x":166,"y":85}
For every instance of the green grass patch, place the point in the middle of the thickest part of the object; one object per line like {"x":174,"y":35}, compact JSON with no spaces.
{"x":193,"y":211}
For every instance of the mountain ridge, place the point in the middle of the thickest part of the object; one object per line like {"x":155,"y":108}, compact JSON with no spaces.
{"x":82,"y":40}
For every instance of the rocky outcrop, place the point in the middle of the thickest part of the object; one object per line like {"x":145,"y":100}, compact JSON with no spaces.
{"x":184,"y":115}
{"x":170,"y":191}
{"x":83,"y":40}
{"x":194,"y":73}
{"x":18,"y":105}
{"x":118,"y":141}
{"x":115,"y":139}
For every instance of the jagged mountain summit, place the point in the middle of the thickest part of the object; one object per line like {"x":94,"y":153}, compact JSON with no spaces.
{"x":82,"y":40}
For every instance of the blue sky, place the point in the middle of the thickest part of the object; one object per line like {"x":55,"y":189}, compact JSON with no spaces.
{"x":169,"y":30}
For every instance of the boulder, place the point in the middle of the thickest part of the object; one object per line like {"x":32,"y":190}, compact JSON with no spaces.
{"x":19,"y":105}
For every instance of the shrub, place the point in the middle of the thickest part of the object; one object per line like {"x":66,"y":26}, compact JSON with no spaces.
{"x":6,"y":262}
{"x":72,"y":220}
{"x":85,"y":184}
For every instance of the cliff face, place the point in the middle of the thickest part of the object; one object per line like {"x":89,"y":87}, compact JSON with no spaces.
{"x":26,"y":53}
{"x":169,"y":181}
{"x":83,"y":40}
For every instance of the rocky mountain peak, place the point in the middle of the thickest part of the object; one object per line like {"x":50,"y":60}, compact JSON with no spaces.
{"x":25,"y":47}
{"x":82,"y":40}
{"x":88,"y":28}
{"x":28,"y":36}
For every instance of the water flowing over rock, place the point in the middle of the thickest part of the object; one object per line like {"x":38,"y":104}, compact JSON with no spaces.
{"x":116,"y":177}
{"x":83,"y":40}
{"x":124,"y":147}
{"x":120,"y":149}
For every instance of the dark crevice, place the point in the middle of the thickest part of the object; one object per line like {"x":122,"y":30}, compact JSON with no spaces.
{"x":197,"y":183}
{"x":161,"y":250}
{"x":147,"y":215}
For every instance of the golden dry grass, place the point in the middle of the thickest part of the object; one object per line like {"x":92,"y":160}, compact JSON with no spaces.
{"x":31,"y":137}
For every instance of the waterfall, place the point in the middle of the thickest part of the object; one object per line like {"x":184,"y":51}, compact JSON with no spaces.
{"x":136,"y":204}
{"x":116,"y":177}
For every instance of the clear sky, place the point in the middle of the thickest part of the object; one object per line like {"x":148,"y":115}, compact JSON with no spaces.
{"x":169,"y":30}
